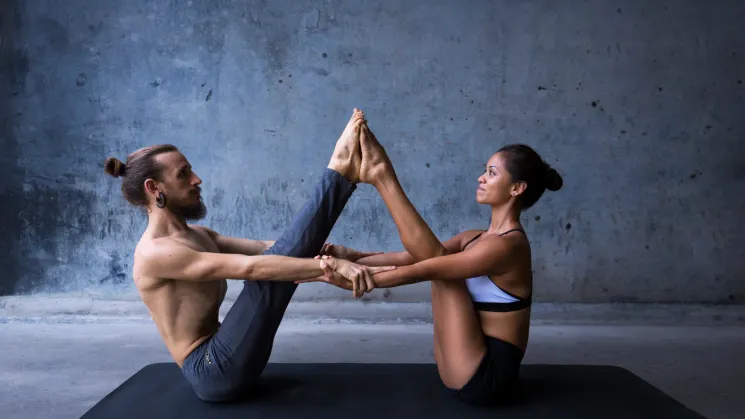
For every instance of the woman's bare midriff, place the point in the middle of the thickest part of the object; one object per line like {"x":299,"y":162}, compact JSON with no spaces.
{"x":512,"y":327}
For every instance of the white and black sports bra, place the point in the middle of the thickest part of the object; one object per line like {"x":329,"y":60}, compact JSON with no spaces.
{"x":488,"y":296}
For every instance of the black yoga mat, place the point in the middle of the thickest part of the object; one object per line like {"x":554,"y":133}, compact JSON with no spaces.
{"x":387,"y":391}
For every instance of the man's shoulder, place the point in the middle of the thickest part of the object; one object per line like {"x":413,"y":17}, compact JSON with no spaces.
{"x":151,"y":249}
{"x":147,"y":254}
{"x":203,"y":230}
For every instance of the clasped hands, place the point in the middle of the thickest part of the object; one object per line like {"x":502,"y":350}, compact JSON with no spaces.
{"x":340,"y":269}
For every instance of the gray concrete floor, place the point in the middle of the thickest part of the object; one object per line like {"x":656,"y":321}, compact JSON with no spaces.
{"x":59,"y":369}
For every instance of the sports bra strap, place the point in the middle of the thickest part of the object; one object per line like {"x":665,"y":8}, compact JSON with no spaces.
{"x":514,"y":229}
{"x":470,"y":241}
{"x":501,"y":234}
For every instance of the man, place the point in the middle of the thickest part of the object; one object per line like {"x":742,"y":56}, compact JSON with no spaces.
{"x":180,"y":270}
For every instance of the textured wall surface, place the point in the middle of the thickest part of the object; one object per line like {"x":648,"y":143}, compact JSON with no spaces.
{"x":639,"y":105}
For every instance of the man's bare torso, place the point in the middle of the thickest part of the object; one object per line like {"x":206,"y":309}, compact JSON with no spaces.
{"x":185,"y":312}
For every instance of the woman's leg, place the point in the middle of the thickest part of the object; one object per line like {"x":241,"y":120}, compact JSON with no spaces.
{"x":459,"y":345}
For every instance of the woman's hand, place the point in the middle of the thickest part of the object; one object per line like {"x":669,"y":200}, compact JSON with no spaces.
{"x":340,"y":252}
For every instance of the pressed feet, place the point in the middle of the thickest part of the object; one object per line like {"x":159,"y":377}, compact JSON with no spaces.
{"x":347,"y":157}
{"x":376,"y":167}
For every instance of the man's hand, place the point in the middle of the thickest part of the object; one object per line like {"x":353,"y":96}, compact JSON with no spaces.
{"x":347,"y":157}
{"x":347,"y":275}
{"x":341,"y":252}
{"x":332,"y":278}
{"x":360,"y":276}
{"x":375,"y":164}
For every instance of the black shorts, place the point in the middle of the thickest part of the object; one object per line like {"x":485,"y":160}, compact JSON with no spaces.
{"x":495,"y":380}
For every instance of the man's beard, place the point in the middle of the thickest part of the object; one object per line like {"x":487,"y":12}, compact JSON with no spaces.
{"x":192,"y":212}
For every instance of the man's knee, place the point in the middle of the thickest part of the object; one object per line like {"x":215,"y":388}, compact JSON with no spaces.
{"x":227,"y":391}
{"x":208,"y":397}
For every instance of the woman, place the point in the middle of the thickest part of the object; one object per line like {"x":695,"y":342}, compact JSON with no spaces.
{"x":481,"y":280}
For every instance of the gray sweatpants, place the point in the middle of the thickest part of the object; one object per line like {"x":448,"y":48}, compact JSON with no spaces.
{"x":229,"y":364}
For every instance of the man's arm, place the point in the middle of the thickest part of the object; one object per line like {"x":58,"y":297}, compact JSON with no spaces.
{"x":172,"y":260}
{"x":235,"y":245}
{"x":248,"y":247}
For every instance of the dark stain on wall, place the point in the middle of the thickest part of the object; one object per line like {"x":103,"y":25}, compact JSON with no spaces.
{"x":45,"y":189}
{"x":13,"y":69}
{"x":53,"y":221}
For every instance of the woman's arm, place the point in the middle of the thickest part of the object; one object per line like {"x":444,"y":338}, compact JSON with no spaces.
{"x":387,"y":259}
{"x":366,"y":258}
{"x":453,"y":245}
{"x":490,"y":256}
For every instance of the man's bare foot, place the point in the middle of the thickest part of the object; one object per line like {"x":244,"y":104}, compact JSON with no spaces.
{"x":376,"y":166}
{"x":347,"y":157}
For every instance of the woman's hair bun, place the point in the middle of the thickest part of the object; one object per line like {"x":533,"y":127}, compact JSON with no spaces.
{"x":554,"y":182}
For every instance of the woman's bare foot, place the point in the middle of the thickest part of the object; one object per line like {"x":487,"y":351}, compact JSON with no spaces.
{"x":376,"y":167}
{"x":347,"y":157}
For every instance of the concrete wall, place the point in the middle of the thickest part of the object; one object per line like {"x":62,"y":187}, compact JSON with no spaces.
{"x":638,"y":104}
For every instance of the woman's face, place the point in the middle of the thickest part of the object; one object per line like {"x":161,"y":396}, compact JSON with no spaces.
{"x":495,"y":184}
